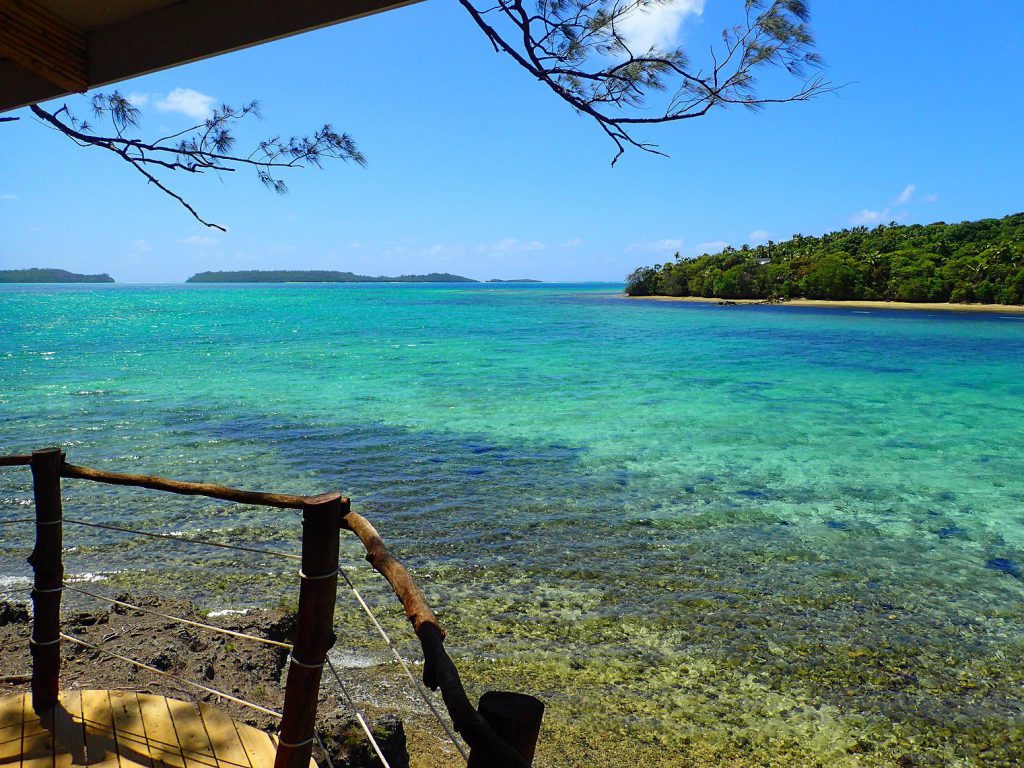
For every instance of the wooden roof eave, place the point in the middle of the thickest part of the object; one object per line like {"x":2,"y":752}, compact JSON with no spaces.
{"x":44,"y":56}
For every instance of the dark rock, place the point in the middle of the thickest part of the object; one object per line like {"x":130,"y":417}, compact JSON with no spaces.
{"x":1005,"y":565}
{"x":752,"y":493}
{"x":950,"y":531}
{"x":349,"y":747}
{"x":13,"y":613}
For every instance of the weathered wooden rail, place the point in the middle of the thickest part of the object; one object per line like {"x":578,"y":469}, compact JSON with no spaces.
{"x":502,"y":733}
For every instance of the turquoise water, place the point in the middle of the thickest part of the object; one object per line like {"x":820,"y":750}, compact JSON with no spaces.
{"x":764,"y":535}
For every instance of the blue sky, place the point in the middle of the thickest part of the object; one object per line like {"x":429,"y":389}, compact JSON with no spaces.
{"x":475,"y":168}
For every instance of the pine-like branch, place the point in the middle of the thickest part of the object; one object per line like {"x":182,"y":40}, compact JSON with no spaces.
{"x":206,"y":146}
{"x":578,"y":49}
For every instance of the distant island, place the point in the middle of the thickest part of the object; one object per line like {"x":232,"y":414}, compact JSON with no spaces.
{"x":517,"y":280}
{"x":318,"y":276}
{"x":36,"y":275}
{"x":975,"y":261}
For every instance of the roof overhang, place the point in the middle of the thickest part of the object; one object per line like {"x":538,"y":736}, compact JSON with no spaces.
{"x":51,"y":48}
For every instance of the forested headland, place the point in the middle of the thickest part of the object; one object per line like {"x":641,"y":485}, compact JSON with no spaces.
{"x":974,"y":261}
{"x":317,"y":276}
{"x":37,"y":275}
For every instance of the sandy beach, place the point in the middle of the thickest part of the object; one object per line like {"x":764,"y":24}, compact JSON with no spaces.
{"x":1001,"y":309}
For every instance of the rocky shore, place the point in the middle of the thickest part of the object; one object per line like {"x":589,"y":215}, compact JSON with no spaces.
{"x":246,"y":669}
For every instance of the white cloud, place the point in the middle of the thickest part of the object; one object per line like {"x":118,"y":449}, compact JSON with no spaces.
{"x":655,"y":246}
{"x":760,"y":236}
{"x":905,"y":195}
{"x":190,"y":103}
{"x":511,"y":245}
{"x":141,"y":246}
{"x":657,"y":26}
{"x":931,"y":198}
{"x":198,"y":240}
{"x":861,"y":218}
{"x":574,"y":243}
{"x":137,"y":99}
{"x":8,"y":196}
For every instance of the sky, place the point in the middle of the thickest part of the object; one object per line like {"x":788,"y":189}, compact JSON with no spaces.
{"x":477,"y":169}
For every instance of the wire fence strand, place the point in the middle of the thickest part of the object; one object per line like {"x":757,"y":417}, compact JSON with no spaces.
{"x":182,"y":540}
{"x":358,"y":714}
{"x":201,"y":625}
{"x":149,"y":668}
{"x":417,"y":685}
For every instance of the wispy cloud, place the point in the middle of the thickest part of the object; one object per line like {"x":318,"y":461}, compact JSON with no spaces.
{"x":657,"y":26}
{"x":574,"y":243}
{"x":931,"y":198}
{"x":198,"y":240}
{"x":904,"y":197}
{"x":866,"y":216}
{"x":8,"y":196}
{"x":511,"y":245}
{"x":137,"y":99}
{"x":760,"y":236}
{"x":187,"y":102}
{"x":141,"y":246}
{"x":655,"y":246}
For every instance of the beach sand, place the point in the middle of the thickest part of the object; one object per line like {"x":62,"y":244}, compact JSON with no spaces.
{"x":1001,"y":309}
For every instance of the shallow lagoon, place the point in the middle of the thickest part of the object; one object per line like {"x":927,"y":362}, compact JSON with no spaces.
{"x":750,"y":535}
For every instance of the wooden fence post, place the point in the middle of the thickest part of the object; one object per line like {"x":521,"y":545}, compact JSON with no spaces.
{"x":314,"y":633}
{"x":515,"y":718}
{"x":48,"y":566}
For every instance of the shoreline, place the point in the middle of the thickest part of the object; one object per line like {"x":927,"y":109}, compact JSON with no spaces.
{"x":900,"y":305}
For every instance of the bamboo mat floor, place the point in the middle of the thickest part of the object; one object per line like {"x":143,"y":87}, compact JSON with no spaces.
{"x":117,"y":729}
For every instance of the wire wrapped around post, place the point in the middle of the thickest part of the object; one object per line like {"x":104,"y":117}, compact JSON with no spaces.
{"x":314,"y":633}
{"x":48,"y":567}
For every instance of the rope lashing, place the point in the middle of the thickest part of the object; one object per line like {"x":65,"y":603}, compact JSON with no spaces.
{"x":38,"y":644}
{"x":304,"y":665}
{"x":302,"y":743}
{"x":304,"y":577}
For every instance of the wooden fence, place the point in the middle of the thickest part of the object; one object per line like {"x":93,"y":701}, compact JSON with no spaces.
{"x":502,"y":733}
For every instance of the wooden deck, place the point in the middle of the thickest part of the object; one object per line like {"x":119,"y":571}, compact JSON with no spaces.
{"x":116,"y":729}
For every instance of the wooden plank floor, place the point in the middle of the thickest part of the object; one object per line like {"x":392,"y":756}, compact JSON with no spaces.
{"x":117,"y":729}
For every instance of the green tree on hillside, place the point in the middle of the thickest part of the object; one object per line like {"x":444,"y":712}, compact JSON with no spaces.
{"x":975,"y":261}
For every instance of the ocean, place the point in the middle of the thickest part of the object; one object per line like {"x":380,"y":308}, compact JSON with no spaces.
{"x":703,"y":535}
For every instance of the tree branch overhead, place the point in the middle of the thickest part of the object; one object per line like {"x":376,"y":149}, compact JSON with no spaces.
{"x":580,"y":50}
{"x":206,"y":146}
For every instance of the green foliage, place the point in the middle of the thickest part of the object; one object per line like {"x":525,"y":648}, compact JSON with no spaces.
{"x":36,"y":275}
{"x":974,"y":261}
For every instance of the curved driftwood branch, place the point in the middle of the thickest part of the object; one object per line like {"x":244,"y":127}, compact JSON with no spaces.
{"x":415,"y":604}
{"x":281,"y":500}
{"x":439,"y":670}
